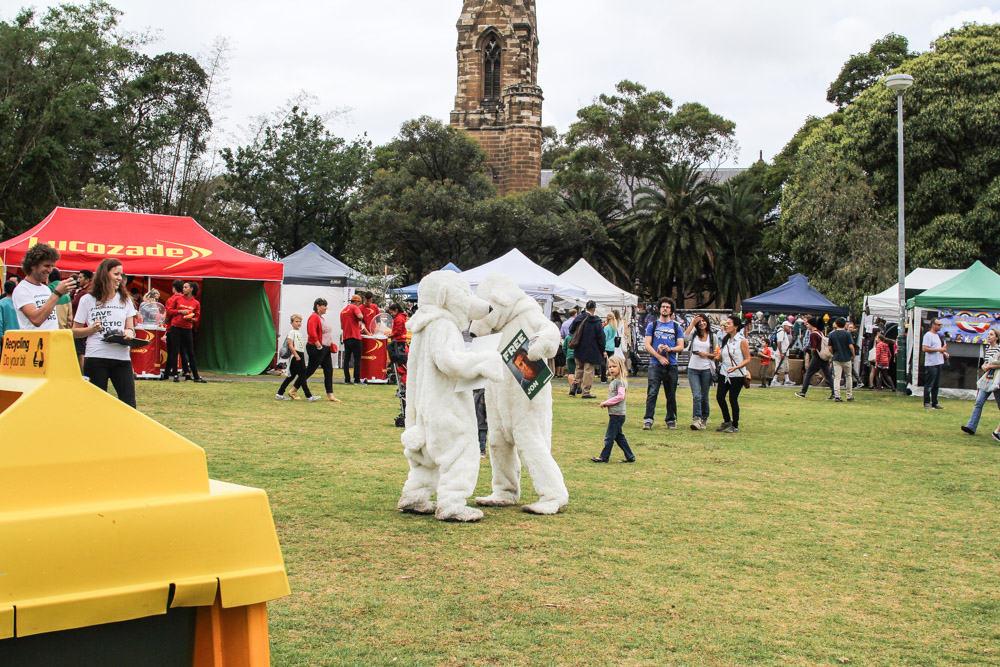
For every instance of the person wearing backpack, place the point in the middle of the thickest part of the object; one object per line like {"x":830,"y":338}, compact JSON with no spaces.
{"x":817,"y":343}
{"x":664,"y":339}
{"x":783,"y":343}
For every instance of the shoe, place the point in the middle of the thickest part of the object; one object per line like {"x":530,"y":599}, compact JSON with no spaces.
{"x":177,"y":378}
{"x":938,"y":407}
{"x":334,"y":399}
{"x":200,"y":380}
{"x":596,"y":459}
{"x":631,"y":460}
{"x":702,"y":423}
{"x":187,"y":377}
{"x":732,"y":429}
{"x":966,"y":429}
{"x":482,"y":455}
{"x":789,"y":383}
{"x":800,"y":394}
{"x":927,"y":407}
{"x":723,"y":426}
{"x":313,"y":399}
{"x":831,"y":397}
{"x":996,"y":436}
{"x":588,"y":396}
{"x":672,"y":426}
{"x":572,"y":391}
{"x":294,"y":396}
{"x":281,"y":397}
{"x":850,"y":398}
{"x":647,"y":424}
{"x":695,"y":424}
{"x":357,"y":382}
{"x":837,"y":399}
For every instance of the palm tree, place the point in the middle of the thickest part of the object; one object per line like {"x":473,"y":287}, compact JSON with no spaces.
{"x":607,"y":206}
{"x":739,"y":265}
{"x":674,"y":224}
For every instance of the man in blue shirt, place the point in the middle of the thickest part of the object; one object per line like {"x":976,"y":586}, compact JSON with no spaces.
{"x":8,"y":316}
{"x":664,"y":339}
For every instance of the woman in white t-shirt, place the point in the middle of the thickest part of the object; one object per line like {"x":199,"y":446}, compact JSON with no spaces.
{"x":701,"y":367}
{"x":108,"y":307}
{"x":734,"y":355}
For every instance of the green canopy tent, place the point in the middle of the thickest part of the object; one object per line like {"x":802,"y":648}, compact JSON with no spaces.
{"x":974,"y":292}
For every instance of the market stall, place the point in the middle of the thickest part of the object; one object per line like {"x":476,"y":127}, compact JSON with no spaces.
{"x":239,"y":292}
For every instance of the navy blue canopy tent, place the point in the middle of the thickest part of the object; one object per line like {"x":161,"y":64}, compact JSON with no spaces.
{"x":795,"y":296}
{"x":410,"y":291}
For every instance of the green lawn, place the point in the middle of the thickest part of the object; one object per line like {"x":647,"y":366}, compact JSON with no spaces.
{"x":860,"y":533}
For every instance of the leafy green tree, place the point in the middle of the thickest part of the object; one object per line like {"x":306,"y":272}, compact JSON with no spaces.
{"x":293,"y":184}
{"x":741,"y":265}
{"x":952,"y":125}
{"x":58,"y":75}
{"x":864,"y":70}
{"x":431,"y":202}
{"x":553,"y":146}
{"x":676,"y":231}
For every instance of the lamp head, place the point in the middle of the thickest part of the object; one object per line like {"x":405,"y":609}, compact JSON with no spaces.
{"x":899,"y":82}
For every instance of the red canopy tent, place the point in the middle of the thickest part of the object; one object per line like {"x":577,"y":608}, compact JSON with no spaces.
{"x":239,"y":291}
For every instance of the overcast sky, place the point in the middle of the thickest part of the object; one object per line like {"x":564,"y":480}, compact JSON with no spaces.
{"x":764,"y":64}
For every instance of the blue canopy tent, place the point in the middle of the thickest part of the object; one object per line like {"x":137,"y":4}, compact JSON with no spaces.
{"x":410,"y":291}
{"x":795,"y":296}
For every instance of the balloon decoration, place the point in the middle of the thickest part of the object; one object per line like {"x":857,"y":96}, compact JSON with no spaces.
{"x":749,"y":316}
{"x":826,"y":318}
{"x":767,"y":314}
{"x":760,"y":315}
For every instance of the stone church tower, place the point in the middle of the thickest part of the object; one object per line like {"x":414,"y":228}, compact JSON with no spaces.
{"x":499,"y":102}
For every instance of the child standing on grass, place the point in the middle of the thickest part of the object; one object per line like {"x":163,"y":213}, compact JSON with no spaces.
{"x":297,"y":366}
{"x":765,"y":361}
{"x":616,"y":412}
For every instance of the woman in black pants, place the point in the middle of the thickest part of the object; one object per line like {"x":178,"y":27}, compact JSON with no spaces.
{"x":734,"y":355}
{"x":108,"y":307}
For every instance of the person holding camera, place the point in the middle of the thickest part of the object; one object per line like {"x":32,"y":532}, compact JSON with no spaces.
{"x":34,"y":301}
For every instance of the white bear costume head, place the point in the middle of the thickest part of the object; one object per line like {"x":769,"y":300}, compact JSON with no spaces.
{"x":444,"y":294}
{"x":507,"y":301}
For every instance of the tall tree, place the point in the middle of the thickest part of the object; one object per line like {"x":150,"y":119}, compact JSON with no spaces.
{"x":863,"y":70}
{"x":676,"y":232}
{"x":293,"y":184}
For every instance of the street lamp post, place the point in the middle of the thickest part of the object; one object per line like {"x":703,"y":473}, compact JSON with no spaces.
{"x":898,"y":83}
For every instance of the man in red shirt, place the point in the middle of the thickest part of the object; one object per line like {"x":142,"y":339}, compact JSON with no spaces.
{"x":351,"y":324}
{"x":369,"y":310}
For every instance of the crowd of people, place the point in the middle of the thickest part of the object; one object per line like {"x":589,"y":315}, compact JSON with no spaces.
{"x":101,"y":313}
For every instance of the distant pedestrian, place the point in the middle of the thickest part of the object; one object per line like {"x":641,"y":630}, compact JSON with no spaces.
{"x":935,"y":351}
{"x":296,"y":364}
{"x":782,"y":349}
{"x":701,"y":368}
{"x":664,"y":339}
{"x":764,"y":354}
{"x":816,"y":363}
{"x":989,"y":383}
{"x":589,"y":354}
{"x":616,"y":412}
{"x":842,"y":344}
{"x":482,"y":424}
{"x":734,"y":356}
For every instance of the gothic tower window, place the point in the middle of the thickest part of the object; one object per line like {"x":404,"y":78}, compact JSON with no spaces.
{"x":491,"y":69}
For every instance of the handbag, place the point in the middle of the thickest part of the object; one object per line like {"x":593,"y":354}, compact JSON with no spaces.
{"x":618,"y":341}
{"x":285,"y":351}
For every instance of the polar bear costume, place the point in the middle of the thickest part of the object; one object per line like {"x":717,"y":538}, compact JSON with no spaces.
{"x":441,"y":437}
{"x":520,"y":429}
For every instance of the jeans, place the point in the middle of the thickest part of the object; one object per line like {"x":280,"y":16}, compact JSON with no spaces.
{"x":729,"y":387}
{"x":614,"y":434}
{"x":352,"y":348}
{"x":122,"y":377}
{"x":667,"y":376}
{"x":977,"y":409}
{"x":318,"y":357}
{"x":816,"y":364}
{"x":296,"y":374}
{"x":482,"y":440}
{"x":700,"y":381}
{"x":932,"y":382}
{"x":841,"y":368}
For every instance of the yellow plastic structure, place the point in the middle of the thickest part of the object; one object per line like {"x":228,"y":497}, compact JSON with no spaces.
{"x":104,"y":513}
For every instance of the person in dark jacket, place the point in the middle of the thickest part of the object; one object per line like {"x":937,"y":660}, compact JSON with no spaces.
{"x":590,"y":352}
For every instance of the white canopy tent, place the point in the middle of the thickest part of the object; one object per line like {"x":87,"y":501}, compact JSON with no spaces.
{"x":537,"y":282}
{"x":606,"y":294}
{"x":885,"y":304}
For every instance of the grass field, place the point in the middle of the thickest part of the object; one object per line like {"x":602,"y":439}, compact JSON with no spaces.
{"x":860,"y":533}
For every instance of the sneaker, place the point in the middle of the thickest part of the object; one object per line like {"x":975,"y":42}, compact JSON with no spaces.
{"x":837,"y":399}
{"x":313,"y":399}
{"x":482,"y":455}
{"x":696,"y":424}
{"x":702,"y":424}
{"x":723,"y":426}
{"x":966,"y":429}
{"x":927,"y":407}
{"x":831,"y":397}
{"x":281,"y":397}
{"x":996,"y":436}
{"x":732,"y":429}
{"x":647,"y":424}
{"x":672,"y":426}
{"x":850,"y":398}
{"x":800,"y":394}
{"x":789,"y":383}
{"x":938,"y":407}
